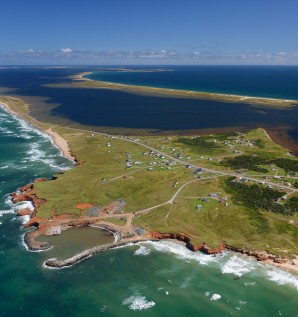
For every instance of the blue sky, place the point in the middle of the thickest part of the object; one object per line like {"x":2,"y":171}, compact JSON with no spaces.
{"x":149,"y":32}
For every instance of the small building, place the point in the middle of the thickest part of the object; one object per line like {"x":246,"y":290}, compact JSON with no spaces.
{"x":198,"y":171}
{"x":214,"y":195}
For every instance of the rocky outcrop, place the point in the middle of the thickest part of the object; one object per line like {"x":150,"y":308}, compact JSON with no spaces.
{"x":24,"y":212}
{"x":41,"y":179}
{"x":260,"y":255}
{"x":26,"y":194}
{"x":26,"y":188}
{"x":17,"y":198}
{"x":181,"y":237}
{"x":79,"y":163}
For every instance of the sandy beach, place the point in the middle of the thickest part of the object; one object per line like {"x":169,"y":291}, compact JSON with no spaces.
{"x":61,"y":143}
{"x":57,"y":138}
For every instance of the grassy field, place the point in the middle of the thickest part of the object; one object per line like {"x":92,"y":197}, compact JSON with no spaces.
{"x":118,"y":167}
{"x":105,"y":177}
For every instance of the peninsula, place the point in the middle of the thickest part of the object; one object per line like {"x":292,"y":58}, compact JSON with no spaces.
{"x":81,"y":81}
{"x":240,"y":188}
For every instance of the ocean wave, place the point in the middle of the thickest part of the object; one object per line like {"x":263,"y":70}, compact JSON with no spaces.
{"x":142,"y":251}
{"x":282,"y":277}
{"x":238,"y":266}
{"x":6,"y":212}
{"x":23,"y":205}
{"x":5,"y":130}
{"x":182,"y":252}
{"x":138,"y":303}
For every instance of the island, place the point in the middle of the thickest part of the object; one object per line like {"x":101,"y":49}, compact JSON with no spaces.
{"x":236,"y":191}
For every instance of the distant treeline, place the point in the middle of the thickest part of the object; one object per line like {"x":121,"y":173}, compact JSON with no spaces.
{"x":253,"y":163}
{"x":259,"y":197}
{"x":199,"y":142}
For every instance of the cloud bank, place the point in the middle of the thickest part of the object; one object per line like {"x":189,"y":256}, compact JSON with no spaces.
{"x":70,"y":56}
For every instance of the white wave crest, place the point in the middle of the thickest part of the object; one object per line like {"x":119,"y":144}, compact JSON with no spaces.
{"x":142,"y":251}
{"x":282,"y":277}
{"x":24,"y":204}
{"x":138,"y":303}
{"x":182,"y":252}
{"x":215,"y":297}
{"x":237,"y":266}
{"x":5,"y":212}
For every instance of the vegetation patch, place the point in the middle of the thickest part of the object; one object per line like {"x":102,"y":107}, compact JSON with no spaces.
{"x":199,"y":144}
{"x":257,"y":197}
{"x":249,"y":162}
{"x":253,"y":162}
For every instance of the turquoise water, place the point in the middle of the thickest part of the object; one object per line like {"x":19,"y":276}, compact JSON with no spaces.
{"x":150,"y":279}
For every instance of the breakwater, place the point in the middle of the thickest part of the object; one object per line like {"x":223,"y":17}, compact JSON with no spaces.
{"x":54,"y":263}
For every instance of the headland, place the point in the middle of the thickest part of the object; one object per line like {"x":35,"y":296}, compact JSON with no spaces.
{"x":192,"y":189}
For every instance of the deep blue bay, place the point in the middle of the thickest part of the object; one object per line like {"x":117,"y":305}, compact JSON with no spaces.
{"x":124,"y":112}
{"x":150,"y":279}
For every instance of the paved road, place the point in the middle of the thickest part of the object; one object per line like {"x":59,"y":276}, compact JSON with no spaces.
{"x":203,"y":168}
{"x":220,"y":173}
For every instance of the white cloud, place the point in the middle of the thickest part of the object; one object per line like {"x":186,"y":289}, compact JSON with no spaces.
{"x":66,"y":50}
{"x":68,"y":55}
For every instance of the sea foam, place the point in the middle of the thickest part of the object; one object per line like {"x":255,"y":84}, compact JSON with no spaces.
{"x":182,"y":252}
{"x":142,"y":251}
{"x":282,"y":277}
{"x":138,"y":303}
{"x":237,"y":266}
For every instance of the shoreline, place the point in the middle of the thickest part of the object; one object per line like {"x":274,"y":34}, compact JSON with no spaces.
{"x":56,"y":138}
{"x":63,"y":146}
{"x":61,"y":143}
{"x":278,"y":103}
{"x":282,"y":137}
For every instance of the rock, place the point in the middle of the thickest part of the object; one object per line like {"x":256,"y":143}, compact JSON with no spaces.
{"x":24,"y":212}
{"x":262,"y":256}
{"x":41,"y":179}
{"x":26,"y":188}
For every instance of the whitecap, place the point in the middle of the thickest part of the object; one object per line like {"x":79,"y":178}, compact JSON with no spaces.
{"x":182,"y":252}
{"x":24,"y":204}
{"x":142,"y":251}
{"x":4,"y":212}
{"x":282,"y":277}
{"x":237,"y":266}
{"x":138,"y":303}
{"x":215,"y":297}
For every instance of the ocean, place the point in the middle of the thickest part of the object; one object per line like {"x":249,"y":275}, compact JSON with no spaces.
{"x":148,"y":279}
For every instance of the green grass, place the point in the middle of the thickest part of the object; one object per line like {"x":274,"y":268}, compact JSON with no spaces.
{"x":141,"y":189}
